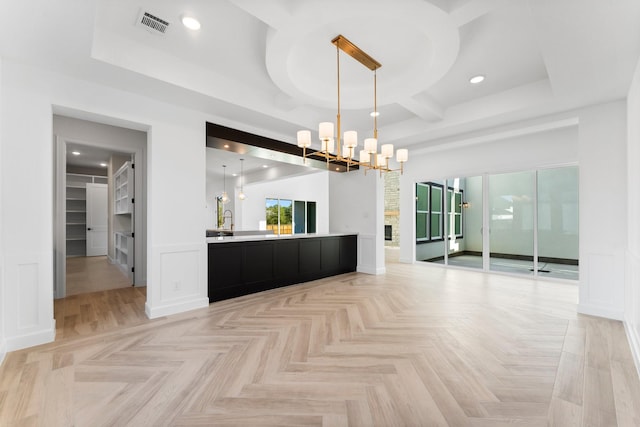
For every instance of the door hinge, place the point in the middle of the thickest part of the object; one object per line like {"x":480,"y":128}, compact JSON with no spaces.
{"x":133,"y":166}
{"x":133,"y":200}
{"x":133,"y":235}
{"x":133,"y":269}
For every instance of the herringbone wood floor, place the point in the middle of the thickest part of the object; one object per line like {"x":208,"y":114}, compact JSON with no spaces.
{"x":420,"y":345}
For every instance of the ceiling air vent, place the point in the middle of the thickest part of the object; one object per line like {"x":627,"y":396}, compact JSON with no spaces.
{"x":152,"y":23}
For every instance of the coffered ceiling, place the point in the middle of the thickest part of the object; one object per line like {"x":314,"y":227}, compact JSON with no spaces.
{"x":269,"y":67}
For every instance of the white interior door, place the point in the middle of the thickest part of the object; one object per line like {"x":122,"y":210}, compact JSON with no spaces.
{"x":97,"y":219}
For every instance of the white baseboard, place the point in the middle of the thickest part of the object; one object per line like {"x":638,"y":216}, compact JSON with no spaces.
{"x":634,"y":343}
{"x":407,"y":260}
{"x":32,"y":339}
{"x":175,"y":308}
{"x":600,"y":312}
{"x":371,"y":270}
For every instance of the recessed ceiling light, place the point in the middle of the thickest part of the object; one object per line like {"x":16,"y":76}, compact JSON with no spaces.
{"x":265,"y":166}
{"x":226,"y":145}
{"x":104,"y":165}
{"x":234,"y":174}
{"x":374,"y":113}
{"x":75,"y":153}
{"x":191,"y":23}
{"x":476,"y":79}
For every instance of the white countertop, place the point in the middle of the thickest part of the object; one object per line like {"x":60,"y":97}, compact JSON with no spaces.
{"x":227,"y":239}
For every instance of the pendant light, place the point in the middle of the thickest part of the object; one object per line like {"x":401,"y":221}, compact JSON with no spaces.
{"x":225,"y":196}
{"x":242,"y":196}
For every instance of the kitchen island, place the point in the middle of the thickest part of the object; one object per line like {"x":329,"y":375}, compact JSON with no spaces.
{"x":241,"y":265}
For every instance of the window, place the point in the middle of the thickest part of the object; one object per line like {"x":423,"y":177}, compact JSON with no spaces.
{"x":455,"y":198}
{"x":436,"y":214}
{"x":273,"y":215}
{"x":282,"y":213}
{"x":422,"y":212}
{"x":429,"y":212}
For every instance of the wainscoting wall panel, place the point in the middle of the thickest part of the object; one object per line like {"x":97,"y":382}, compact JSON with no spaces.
{"x":632,"y":306}
{"x":598,"y":296}
{"x":28,"y":300}
{"x":367,"y":255}
{"x":178,"y":280}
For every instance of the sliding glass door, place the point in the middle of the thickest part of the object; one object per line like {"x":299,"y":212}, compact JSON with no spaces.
{"x":558,"y":223}
{"x":522,"y":223}
{"x":511,"y":221}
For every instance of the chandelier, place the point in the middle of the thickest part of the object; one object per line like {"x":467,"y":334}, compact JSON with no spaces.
{"x":368,"y":158}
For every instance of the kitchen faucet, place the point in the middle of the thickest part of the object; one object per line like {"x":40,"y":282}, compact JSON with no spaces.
{"x":225,"y":216}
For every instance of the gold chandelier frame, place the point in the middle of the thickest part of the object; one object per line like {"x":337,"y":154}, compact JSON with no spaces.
{"x":369,"y":158}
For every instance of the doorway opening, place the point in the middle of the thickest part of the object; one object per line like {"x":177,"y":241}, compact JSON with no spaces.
{"x":99,"y":232}
{"x":98,"y":219}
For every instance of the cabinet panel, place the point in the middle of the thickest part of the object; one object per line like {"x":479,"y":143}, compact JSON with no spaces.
{"x":240,"y":268}
{"x":258,"y":259}
{"x":330,"y":255}
{"x":287,"y":259}
{"x":310,"y":256}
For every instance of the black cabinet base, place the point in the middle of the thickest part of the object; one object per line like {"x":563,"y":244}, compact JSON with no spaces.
{"x":241,"y":268}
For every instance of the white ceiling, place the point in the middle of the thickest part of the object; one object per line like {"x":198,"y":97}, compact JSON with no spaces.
{"x":90,"y":156}
{"x":268,"y":67}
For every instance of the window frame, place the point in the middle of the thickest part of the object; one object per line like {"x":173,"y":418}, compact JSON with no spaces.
{"x":429,"y":213}
{"x":453,"y":213}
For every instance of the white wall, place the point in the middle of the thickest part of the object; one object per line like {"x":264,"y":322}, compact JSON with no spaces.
{"x":632,"y":277}
{"x":312,"y":188}
{"x":3,"y":310}
{"x":603,"y":165}
{"x":356,"y":204}
{"x":176,"y":180}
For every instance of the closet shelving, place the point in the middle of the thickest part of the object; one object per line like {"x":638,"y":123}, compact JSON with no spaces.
{"x":76,"y":211}
{"x":123,"y":220}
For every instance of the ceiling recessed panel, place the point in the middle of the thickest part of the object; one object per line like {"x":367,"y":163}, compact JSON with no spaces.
{"x":502,"y":46}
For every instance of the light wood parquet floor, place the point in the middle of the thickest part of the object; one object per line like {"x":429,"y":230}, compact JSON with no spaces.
{"x":419,"y":346}
{"x":91,"y":274}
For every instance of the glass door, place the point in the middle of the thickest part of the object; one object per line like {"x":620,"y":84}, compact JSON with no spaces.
{"x":464,"y":222}
{"x":511,"y":222}
{"x":522,"y":223}
{"x":558,"y":223}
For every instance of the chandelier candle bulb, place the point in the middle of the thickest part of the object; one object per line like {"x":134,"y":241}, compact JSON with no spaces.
{"x":365,"y":157}
{"x":402,"y":155}
{"x":325,"y":129}
{"x":304,"y":138}
{"x":327,"y":144}
{"x":351,"y":139}
{"x":348,"y":151}
{"x":386,"y":150}
{"x":371,"y":145}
